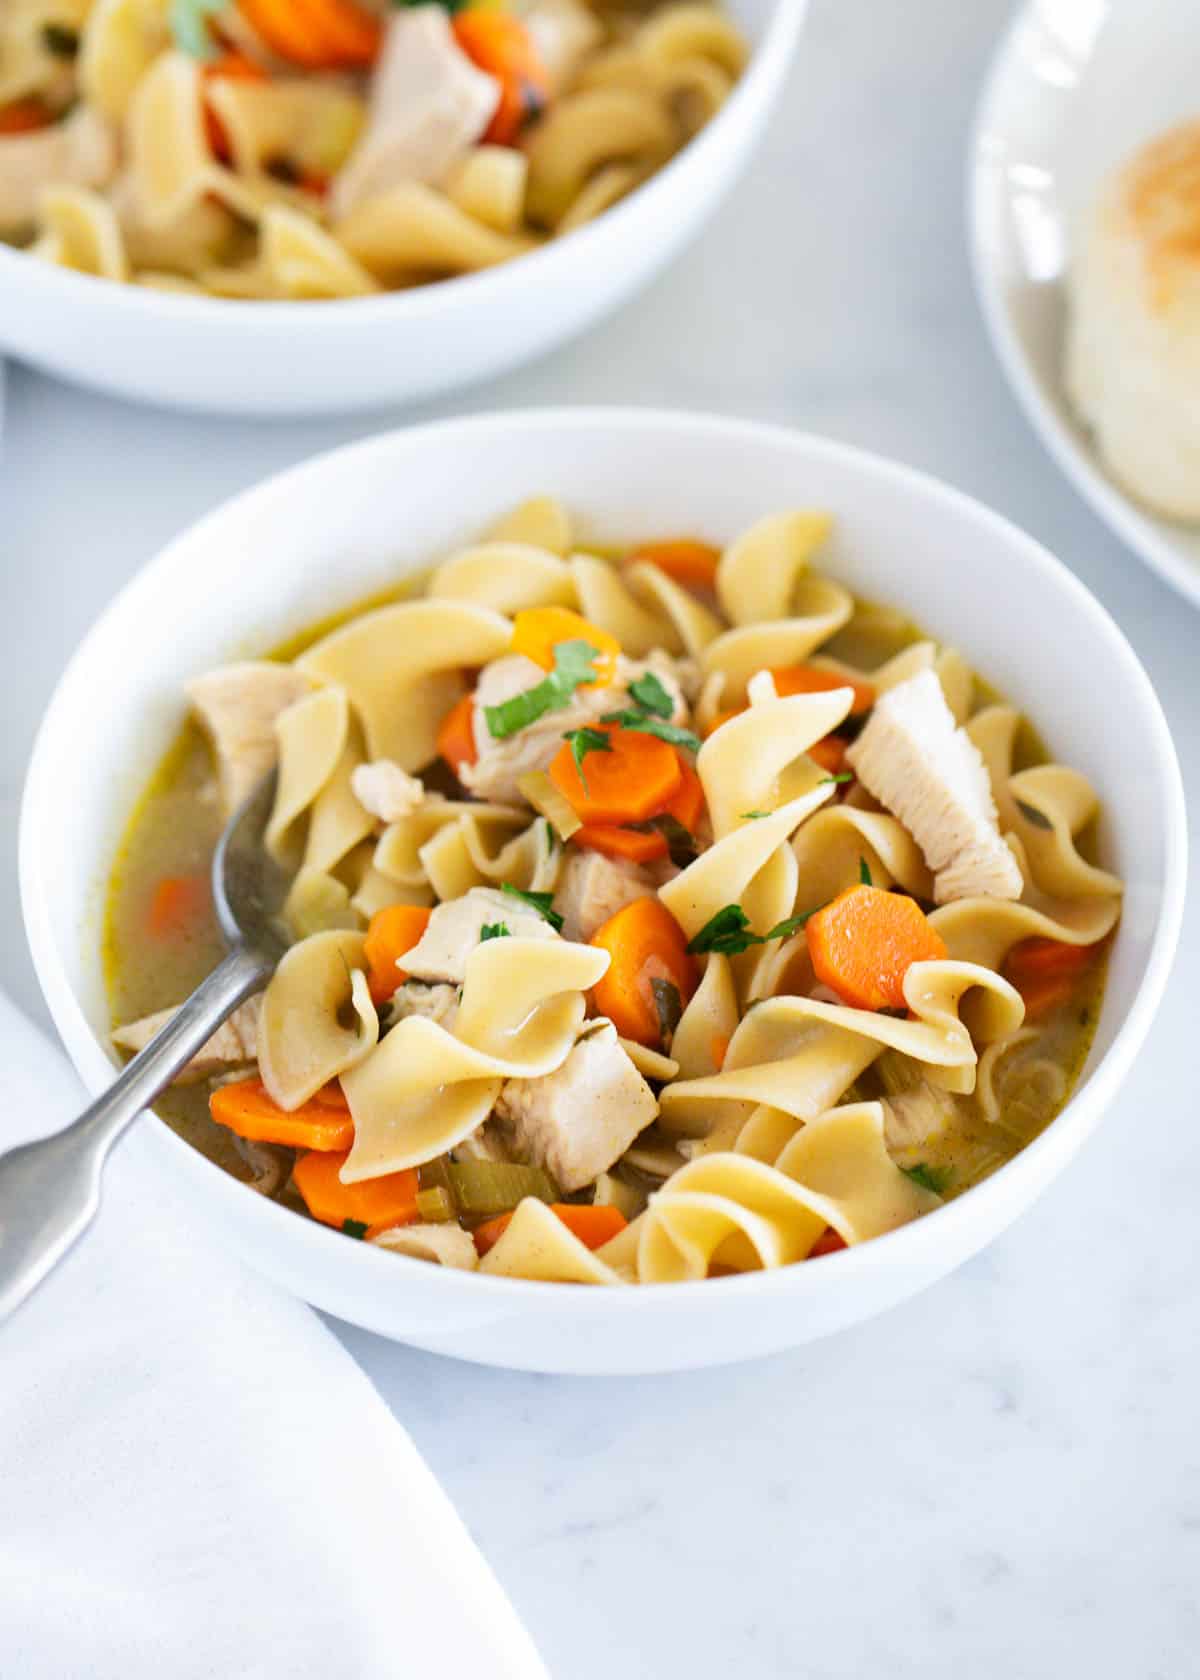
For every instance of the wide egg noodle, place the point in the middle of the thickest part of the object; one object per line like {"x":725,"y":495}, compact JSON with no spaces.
{"x":311,"y":735}
{"x":505,"y":576}
{"x":582,"y":133}
{"x":539,"y":521}
{"x":606,"y":600}
{"x":738,"y":1212}
{"x":299,"y":260}
{"x":302,"y":1042}
{"x":401,"y":667}
{"x":82,"y":232}
{"x":427,"y":1087}
{"x":413,"y":230}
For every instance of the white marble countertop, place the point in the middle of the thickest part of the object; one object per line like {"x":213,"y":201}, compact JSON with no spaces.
{"x":1001,"y":1478}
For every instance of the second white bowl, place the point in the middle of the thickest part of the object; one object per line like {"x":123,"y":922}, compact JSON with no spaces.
{"x":309,"y":358}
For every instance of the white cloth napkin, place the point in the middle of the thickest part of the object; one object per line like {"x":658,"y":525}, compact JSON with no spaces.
{"x":197,"y":1480}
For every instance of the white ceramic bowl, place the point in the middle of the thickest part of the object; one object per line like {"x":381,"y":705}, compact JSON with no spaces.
{"x":308,"y":358}
{"x":341,"y":527}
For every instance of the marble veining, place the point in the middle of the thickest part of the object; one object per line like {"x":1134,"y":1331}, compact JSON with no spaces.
{"x":1001,"y":1478}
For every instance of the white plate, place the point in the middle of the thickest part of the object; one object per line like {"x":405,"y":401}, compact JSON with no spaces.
{"x":1075,"y":86}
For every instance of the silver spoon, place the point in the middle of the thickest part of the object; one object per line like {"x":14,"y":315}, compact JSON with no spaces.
{"x":50,"y":1189}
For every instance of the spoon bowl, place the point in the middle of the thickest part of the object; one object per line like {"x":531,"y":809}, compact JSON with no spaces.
{"x":50,"y":1189}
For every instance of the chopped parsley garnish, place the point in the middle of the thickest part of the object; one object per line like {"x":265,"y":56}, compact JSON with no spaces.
{"x":1033,"y":815}
{"x":552,"y":840}
{"x":864,"y":872}
{"x":753,"y":816}
{"x":494,"y":930}
{"x":573,"y":665}
{"x":355,"y":1228}
{"x":190,"y":26}
{"x":669,"y":1006}
{"x":681,"y":845}
{"x":730,"y":933}
{"x":647,"y":725}
{"x":842,"y":776}
{"x":583,"y":742}
{"x":542,"y":902}
{"x":929,"y":1178}
{"x":651,"y":695}
{"x":59,"y":40}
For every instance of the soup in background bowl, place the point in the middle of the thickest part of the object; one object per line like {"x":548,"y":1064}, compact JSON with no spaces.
{"x":906,"y":1150}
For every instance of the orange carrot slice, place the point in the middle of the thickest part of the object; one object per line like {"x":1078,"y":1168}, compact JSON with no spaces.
{"x":230,"y":66}
{"x":322,"y":1123}
{"x":386,"y":1201}
{"x":24,"y":116}
{"x":617,"y":842}
{"x":594,"y":1226}
{"x":830,"y":753}
{"x":811,"y":679}
{"x":646,"y":944}
{"x":827,"y":1243}
{"x":630,"y":782}
{"x":500,"y":44}
{"x":691,"y":564}
{"x":316,"y":34}
{"x":537,"y":631}
{"x":1046,"y":972}
{"x":864,"y":942}
{"x":391,"y":933}
{"x":178,"y":903}
{"x":456,"y":735}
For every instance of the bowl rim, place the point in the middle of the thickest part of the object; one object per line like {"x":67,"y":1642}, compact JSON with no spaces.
{"x":765,"y":66}
{"x":1018,"y":1182}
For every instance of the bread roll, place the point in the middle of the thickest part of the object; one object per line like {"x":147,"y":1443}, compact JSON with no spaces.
{"x":1133,"y":343}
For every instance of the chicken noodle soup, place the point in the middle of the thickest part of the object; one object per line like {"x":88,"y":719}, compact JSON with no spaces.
{"x":656,"y":914}
{"x":252,"y":149}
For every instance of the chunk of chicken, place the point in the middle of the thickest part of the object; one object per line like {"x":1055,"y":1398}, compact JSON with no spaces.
{"x":444,"y":1245}
{"x":385,"y":790}
{"x":926,"y":770}
{"x":486,"y":1143}
{"x":238,"y":705}
{"x":564,"y":32}
{"x":438,"y":1003}
{"x":922,"y":1114}
{"x":593,"y":888}
{"x":80,"y":151}
{"x":429,"y":105}
{"x":232,"y":1045}
{"x":580,"y":1119}
{"x":454,"y":930}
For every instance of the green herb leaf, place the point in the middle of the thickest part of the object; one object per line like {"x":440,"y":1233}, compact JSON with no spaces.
{"x":789,"y":926}
{"x":573,"y":665}
{"x":727,"y":932}
{"x":652,"y":695}
{"x":355,"y":1228}
{"x":842,"y":776}
{"x":864,"y":873}
{"x":1033,"y":815}
{"x":929,"y":1178}
{"x":189,"y":26}
{"x":669,"y":1006}
{"x":494,"y":930}
{"x":644,"y":724}
{"x":542,"y":902}
{"x":583,"y":742}
{"x":552,"y":840}
{"x":753,"y":816}
{"x":59,"y":40}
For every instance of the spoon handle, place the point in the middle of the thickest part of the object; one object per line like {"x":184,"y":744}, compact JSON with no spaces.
{"x":50,"y":1189}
